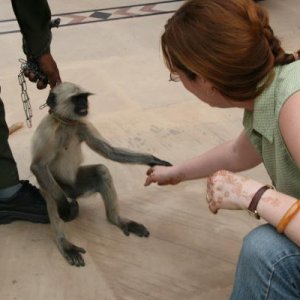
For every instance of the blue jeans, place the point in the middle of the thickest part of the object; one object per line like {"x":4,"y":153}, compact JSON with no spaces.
{"x":268,"y":267}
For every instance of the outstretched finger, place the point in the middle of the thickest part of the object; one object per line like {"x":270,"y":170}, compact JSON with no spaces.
{"x":149,"y":180}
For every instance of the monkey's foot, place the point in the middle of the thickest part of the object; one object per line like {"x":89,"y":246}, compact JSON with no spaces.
{"x":69,"y":210}
{"x":128,"y":226}
{"x":71,"y":252}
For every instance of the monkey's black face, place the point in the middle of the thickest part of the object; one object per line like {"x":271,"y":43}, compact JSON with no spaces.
{"x":80,"y":103}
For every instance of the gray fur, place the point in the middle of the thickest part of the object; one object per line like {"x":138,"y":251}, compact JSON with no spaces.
{"x":57,"y":164}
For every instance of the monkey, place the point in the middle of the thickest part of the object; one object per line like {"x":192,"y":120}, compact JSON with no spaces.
{"x":57,"y":165}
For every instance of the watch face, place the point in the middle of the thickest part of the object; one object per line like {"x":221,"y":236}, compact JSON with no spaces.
{"x":254,"y":214}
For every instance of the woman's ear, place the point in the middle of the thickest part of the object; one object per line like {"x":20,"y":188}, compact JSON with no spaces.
{"x":210,"y":91}
{"x":200,"y":79}
{"x":209,"y":88}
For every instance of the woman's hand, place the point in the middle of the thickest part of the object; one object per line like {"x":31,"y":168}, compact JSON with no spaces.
{"x":226,"y":190}
{"x":163,"y":175}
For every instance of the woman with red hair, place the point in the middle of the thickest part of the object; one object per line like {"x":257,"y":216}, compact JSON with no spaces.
{"x":226,"y":54}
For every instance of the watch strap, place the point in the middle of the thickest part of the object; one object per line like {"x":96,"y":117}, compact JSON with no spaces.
{"x":252,"y":208}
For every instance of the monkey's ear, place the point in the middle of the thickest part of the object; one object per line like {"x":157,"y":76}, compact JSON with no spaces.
{"x":89,"y":94}
{"x":51,"y":100}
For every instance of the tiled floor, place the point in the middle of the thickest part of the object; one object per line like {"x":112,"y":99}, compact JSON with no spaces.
{"x":96,"y":14}
{"x":190,"y":254}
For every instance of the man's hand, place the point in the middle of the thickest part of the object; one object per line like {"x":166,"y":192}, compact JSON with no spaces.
{"x":48,"y":66}
{"x":49,"y":69}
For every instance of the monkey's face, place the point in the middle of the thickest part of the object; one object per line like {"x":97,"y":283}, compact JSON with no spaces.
{"x":80,"y":103}
{"x":69,"y":101}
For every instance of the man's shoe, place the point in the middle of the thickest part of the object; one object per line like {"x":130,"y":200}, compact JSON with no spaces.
{"x":26,"y":205}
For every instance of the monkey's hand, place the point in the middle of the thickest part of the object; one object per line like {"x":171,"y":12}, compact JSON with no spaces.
{"x":129,"y":226}
{"x":71,"y":252}
{"x":158,"y":162}
{"x":68,"y":210}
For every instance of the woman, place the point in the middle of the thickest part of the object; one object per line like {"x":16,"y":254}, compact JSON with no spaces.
{"x":226,"y":54}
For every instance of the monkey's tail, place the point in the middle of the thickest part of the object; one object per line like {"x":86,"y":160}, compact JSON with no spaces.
{"x":15,"y":127}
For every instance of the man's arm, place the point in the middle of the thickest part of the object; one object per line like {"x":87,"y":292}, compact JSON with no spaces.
{"x":34,"y":18}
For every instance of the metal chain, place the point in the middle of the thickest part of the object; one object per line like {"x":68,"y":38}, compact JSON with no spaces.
{"x":29,"y":65}
{"x":24,"y":95}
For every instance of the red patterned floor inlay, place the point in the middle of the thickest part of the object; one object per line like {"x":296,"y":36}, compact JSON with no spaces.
{"x":103,"y":14}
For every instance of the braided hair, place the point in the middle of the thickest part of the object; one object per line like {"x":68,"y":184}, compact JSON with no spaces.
{"x":230,"y":43}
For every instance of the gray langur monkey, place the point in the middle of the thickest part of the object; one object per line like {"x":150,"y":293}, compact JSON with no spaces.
{"x":56,"y":163}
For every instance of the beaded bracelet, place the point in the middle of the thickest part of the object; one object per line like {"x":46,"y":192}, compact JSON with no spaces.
{"x":288,"y":216}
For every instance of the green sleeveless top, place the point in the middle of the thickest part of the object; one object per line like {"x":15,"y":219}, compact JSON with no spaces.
{"x":262,"y":127}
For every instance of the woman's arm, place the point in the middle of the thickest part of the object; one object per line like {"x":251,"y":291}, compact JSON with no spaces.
{"x":226,"y":190}
{"x":289,"y":122}
{"x":237,"y":155}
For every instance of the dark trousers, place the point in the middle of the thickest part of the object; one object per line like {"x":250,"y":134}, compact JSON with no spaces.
{"x":8,"y":168}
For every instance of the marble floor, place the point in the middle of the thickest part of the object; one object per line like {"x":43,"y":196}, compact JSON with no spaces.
{"x":112,"y":49}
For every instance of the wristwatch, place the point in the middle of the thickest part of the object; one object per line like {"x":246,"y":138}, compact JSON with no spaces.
{"x":252,"y":208}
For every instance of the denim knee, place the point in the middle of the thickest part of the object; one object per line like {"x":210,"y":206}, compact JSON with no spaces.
{"x":269,"y":266}
{"x":259,"y":244}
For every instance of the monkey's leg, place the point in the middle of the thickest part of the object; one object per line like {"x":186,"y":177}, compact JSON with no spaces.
{"x":70,"y":252}
{"x":97,"y":178}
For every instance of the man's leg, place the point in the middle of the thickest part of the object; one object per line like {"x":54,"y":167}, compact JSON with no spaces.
{"x":19,"y":200}
{"x":8,"y":168}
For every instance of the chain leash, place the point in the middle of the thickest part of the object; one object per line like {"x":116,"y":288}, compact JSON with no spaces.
{"x":32,"y":67}
{"x":24,"y":95}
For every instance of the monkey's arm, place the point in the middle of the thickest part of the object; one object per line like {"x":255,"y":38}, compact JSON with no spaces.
{"x":46,"y":181}
{"x":44,"y":149}
{"x":93,"y":139}
{"x":42,"y":157}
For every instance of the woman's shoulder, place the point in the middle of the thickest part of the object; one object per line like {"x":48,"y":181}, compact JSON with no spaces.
{"x":290,"y":71}
{"x":287,"y":82}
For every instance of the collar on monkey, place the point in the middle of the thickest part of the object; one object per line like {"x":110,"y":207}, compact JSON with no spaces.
{"x":63,"y":120}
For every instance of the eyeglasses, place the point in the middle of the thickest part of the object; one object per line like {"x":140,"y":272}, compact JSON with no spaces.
{"x":174,"y":77}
